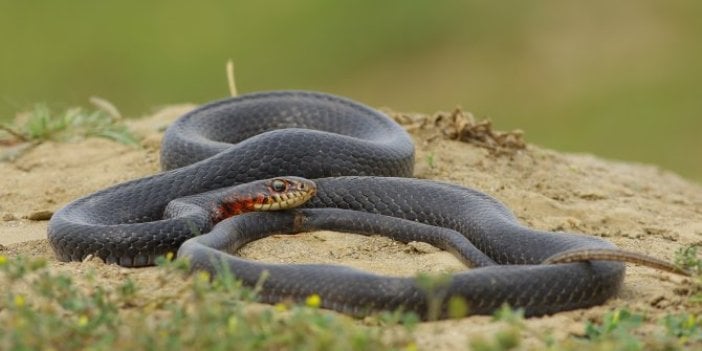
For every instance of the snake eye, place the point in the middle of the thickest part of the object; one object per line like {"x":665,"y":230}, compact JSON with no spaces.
{"x":278,"y":185}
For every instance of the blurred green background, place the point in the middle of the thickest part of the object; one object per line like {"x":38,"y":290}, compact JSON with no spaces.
{"x":621,"y":79}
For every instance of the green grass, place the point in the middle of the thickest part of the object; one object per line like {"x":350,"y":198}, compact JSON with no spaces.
{"x":174,"y":310}
{"x":688,"y":258}
{"x":41,"y":309}
{"x":41,"y":124}
{"x":620,"y":329}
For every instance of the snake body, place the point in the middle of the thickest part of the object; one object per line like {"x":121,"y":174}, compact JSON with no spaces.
{"x":359,"y":160}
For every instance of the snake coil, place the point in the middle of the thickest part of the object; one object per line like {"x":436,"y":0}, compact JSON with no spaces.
{"x":359,"y":159}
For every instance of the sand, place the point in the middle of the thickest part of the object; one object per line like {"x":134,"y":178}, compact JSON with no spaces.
{"x":638,"y":207}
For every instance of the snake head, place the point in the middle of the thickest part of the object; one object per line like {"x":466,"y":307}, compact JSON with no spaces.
{"x":283,"y":193}
{"x":272,"y":194}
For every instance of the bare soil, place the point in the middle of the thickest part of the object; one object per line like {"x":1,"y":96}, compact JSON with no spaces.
{"x":638,"y":207}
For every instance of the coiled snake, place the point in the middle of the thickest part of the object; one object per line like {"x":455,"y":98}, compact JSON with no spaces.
{"x":359,"y":160}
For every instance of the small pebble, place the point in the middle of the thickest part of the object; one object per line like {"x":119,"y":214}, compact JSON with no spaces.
{"x":152,"y":142}
{"x":93,"y":260}
{"x":41,"y":215}
{"x":422,"y":247}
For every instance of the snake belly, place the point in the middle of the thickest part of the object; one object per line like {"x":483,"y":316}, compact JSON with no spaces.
{"x":326,"y":138}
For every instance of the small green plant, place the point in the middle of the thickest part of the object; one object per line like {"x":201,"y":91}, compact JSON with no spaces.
{"x":509,"y":315}
{"x":689,"y":259}
{"x":434,"y":287}
{"x":686,"y":327}
{"x":617,"y":325}
{"x":508,"y":338}
{"x":42,"y":124}
{"x":431,"y":160}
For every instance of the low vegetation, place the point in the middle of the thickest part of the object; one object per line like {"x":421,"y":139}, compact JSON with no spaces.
{"x":42,"y":124}
{"x":620,"y":329}
{"x":43,"y":309}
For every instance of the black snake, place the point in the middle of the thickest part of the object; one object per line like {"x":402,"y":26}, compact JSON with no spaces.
{"x":360,"y":161}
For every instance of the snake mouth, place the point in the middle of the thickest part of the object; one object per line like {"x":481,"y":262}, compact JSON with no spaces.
{"x":285,"y":193}
{"x":263,"y":195}
{"x":283,"y":201}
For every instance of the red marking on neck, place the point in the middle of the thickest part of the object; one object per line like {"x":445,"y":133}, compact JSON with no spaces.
{"x":235,"y":206}
{"x":232,"y":207}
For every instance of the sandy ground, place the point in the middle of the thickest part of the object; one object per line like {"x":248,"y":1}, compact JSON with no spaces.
{"x":638,"y":207}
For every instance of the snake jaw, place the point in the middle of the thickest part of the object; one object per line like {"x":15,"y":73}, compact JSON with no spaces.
{"x":285,"y":193}
{"x":265,"y":195}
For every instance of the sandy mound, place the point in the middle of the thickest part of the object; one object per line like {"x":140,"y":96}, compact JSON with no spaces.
{"x":637,"y":207}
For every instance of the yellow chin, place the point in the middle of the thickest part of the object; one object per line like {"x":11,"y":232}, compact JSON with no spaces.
{"x":283,"y":201}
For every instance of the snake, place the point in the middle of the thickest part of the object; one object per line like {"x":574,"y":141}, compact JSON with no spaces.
{"x":284,"y":162}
